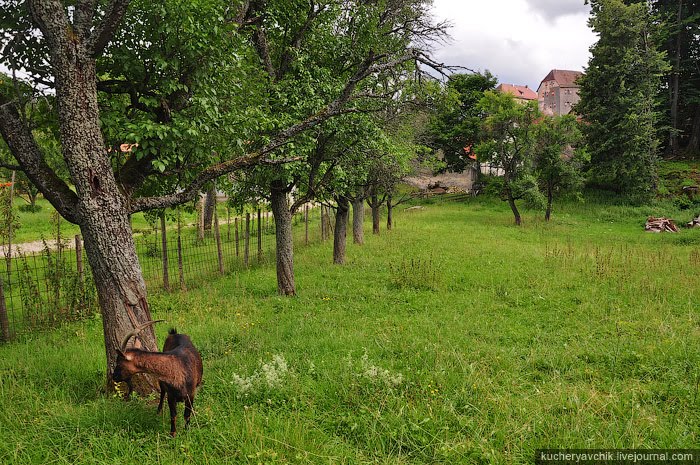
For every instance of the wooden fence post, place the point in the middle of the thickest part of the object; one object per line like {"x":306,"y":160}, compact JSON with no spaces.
{"x":228,"y":223}
{"x":259,"y":236}
{"x":79,"y":258}
{"x":217,"y":235}
{"x":236,"y":236}
{"x":246,"y":241}
{"x":4,"y":320}
{"x":306,"y":221}
{"x":323,"y":223}
{"x":164,"y":247}
{"x":180,"y":267}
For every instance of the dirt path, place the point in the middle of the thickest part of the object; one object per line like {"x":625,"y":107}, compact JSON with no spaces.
{"x":35,"y":247}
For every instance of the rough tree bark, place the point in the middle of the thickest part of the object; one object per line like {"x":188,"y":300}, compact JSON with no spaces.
{"x":358,"y":219}
{"x":283,"y":236}
{"x":97,"y":206}
{"x":209,"y":206}
{"x":341,"y":229}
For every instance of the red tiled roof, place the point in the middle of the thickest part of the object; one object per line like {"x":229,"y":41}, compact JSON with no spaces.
{"x":563,"y":77}
{"x":522,"y":92}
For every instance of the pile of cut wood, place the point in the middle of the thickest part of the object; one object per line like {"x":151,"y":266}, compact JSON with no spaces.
{"x":658,"y":225}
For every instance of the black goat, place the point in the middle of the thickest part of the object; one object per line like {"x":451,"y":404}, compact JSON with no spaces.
{"x":178,"y":369}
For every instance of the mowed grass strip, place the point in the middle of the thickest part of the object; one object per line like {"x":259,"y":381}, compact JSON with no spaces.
{"x":454,"y":338}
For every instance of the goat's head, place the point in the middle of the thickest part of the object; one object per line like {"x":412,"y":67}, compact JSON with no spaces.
{"x":126,"y":367}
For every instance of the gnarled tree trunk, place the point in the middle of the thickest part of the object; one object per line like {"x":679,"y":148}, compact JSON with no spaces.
{"x":284,"y":240}
{"x":341,"y":228}
{"x":358,"y":220}
{"x":97,"y":205}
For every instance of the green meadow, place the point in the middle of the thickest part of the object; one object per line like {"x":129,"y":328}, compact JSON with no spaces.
{"x":455,"y":338}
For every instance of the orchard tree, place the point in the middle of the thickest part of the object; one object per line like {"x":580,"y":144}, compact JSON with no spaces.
{"x":165,"y":98}
{"x":558,"y":159}
{"x":508,"y":138}
{"x":457,"y":117}
{"x":618,"y":102}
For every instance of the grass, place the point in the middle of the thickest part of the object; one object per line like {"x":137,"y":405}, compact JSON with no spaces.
{"x":579,"y":333}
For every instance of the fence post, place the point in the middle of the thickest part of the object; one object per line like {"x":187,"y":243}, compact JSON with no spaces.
{"x":228,"y":223}
{"x":236,"y":235}
{"x":180,"y":268}
{"x":164,"y":246}
{"x":323,"y":224}
{"x":306,"y":222}
{"x":4,"y":321}
{"x":246,"y":240}
{"x":217,"y":235}
{"x":259,"y":236}
{"x":79,"y":258}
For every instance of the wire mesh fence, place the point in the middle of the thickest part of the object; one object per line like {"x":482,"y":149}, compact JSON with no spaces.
{"x":41,"y":290}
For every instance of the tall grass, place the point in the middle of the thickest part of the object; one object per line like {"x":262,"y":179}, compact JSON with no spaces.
{"x":579,"y":333}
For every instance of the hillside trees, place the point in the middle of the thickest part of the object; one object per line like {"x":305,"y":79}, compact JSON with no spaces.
{"x":456,"y":121}
{"x":508,"y":138}
{"x":557,"y":162}
{"x":177,"y":77}
{"x":679,"y":37}
{"x":618,"y":99}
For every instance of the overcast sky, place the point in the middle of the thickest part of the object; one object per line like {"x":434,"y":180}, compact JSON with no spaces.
{"x":519,"y":41}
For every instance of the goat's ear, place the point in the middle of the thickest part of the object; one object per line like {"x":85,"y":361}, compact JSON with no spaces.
{"x":120,"y":352}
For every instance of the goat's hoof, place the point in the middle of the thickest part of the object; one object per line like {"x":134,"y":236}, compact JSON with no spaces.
{"x":172,"y":434}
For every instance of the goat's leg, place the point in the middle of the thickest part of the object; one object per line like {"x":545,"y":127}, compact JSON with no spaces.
{"x":188,"y":409}
{"x":162,"y":395}
{"x":172,"y":403}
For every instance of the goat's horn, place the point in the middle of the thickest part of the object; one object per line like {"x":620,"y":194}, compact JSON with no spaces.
{"x":135,"y":332}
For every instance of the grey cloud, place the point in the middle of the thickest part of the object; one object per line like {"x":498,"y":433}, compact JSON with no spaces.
{"x":551,"y":10}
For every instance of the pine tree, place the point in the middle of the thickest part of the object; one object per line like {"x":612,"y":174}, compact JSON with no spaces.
{"x":618,"y":99}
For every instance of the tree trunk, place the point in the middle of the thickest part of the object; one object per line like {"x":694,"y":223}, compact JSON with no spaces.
{"x":209,"y":206}
{"x":674,"y":86}
{"x":341,"y":228}
{"x":284,"y":241}
{"x":550,"y":195}
{"x":102,"y":211}
{"x":513,"y":207}
{"x":374,"y":205}
{"x":358,"y":220}
{"x":389,"y":213}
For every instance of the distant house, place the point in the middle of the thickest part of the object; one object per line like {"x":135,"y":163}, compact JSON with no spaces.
{"x":558,"y":92}
{"x":522,"y":94}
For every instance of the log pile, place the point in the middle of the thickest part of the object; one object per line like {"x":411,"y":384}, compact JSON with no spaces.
{"x":658,"y":225}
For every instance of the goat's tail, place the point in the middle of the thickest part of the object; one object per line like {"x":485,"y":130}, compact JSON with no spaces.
{"x":172,"y":331}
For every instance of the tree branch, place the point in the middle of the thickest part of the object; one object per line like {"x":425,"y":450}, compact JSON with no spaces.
{"x":103,"y":33}
{"x":51,"y":20}
{"x":31,"y":160}
{"x":82,"y":17}
{"x":209,"y":174}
